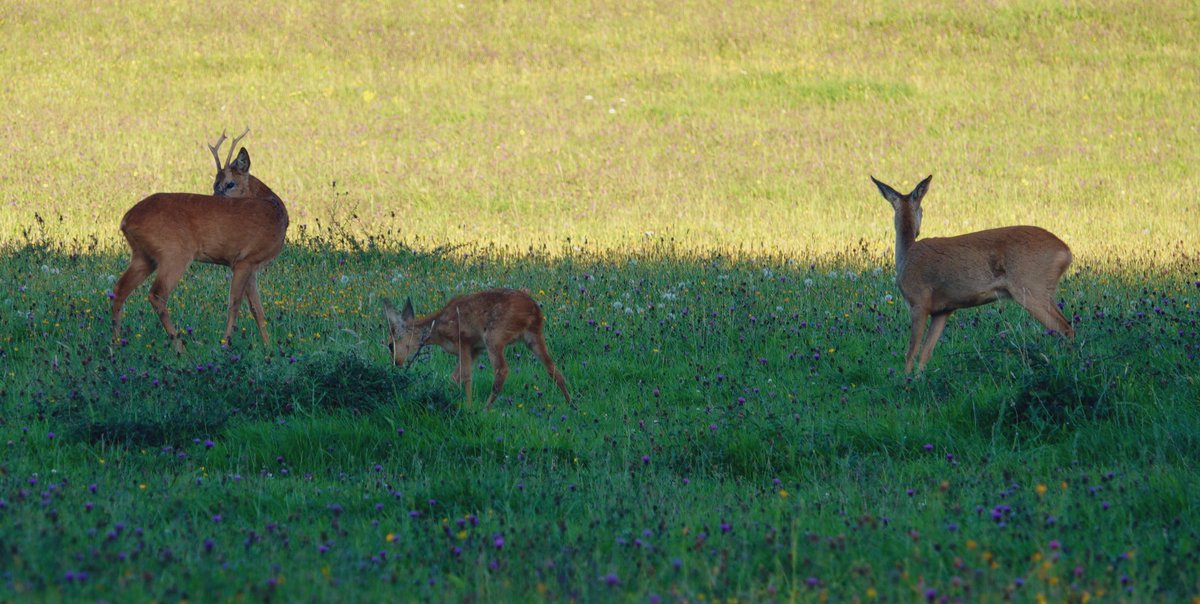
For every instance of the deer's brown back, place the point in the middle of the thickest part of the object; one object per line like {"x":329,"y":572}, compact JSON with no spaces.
{"x":483,"y":311}
{"x":217,"y":229}
{"x":947,"y":273}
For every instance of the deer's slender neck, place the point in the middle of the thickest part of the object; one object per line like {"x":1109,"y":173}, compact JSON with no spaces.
{"x":906,"y":234}
{"x":427,"y":327}
{"x":259,"y":189}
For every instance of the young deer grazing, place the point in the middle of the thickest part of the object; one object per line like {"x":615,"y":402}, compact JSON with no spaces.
{"x":488,"y":320}
{"x":241,"y":225}
{"x":940,"y":275}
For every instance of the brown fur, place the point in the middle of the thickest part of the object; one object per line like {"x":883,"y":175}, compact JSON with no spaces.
{"x":469,"y":324}
{"x":242,"y":226}
{"x":940,"y":275}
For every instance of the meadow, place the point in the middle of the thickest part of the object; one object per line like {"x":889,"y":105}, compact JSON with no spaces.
{"x":684,"y":187}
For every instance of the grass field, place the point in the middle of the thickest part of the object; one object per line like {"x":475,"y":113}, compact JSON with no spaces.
{"x":684,"y":187}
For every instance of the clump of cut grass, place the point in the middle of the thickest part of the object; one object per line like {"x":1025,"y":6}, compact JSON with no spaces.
{"x":346,"y":380}
{"x":1061,"y":394}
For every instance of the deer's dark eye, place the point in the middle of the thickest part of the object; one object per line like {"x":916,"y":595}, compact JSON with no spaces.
{"x":229,"y":185}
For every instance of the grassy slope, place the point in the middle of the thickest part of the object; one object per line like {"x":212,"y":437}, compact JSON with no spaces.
{"x":712,"y":123}
{"x":740,"y":355}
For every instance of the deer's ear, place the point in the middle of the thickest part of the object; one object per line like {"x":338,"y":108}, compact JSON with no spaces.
{"x":888,"y":193}
{"x":392,"y":316}
{"x":407,"y":314}
{"x":242,"y":162}
{"x":919,"y":191}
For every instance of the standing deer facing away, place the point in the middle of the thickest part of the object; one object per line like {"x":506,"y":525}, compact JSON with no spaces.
{"x":241,"y":225}
{"x":940,"y":275}
{"x":488,"y":320}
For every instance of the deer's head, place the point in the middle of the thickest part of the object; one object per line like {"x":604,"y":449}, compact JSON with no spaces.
{"x":404,"y":339}
{"x":907,"y":207}
{"x":233,"y":178}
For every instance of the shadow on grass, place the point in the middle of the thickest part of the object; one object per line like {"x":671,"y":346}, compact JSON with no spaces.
{"x":1038,"y":398}
{"x":201,"y":401}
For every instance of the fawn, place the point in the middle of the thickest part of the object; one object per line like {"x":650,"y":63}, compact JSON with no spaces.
{"x":468,"y":324}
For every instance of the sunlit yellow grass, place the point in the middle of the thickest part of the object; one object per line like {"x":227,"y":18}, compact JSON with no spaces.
{"x":746,"y":126}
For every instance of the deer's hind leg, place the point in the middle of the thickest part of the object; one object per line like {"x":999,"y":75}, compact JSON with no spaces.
{"x":243,"y":274}
{"x":1035,"y":289}
{"x":537,"y":343}
{"x":169,"y":274}
{"x":917,"y":329}
{"x":499,"y":371}
{"x":1048,"y":314}
{"x":1040,"y":304}
{"x":140,"y":267}
{"x":256,"y":307}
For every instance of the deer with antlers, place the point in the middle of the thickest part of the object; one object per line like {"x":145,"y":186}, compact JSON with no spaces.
{"x":241,"y":225}
{"x":469,"y":324}
{"x":940,"y":275}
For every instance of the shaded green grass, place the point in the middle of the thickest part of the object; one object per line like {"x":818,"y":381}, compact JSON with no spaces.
{"x":740,"y":429}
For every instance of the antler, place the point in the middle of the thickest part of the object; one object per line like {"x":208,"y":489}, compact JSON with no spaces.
{"x":214,"y":148}
{"x":233,"y":145}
